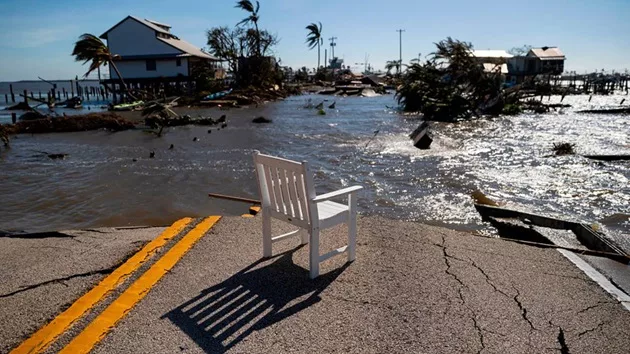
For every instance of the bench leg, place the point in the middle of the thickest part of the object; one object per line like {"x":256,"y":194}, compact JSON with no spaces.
{"x":352,"y":227}
{"x":314,"y":253}
{"x":266,"y":221}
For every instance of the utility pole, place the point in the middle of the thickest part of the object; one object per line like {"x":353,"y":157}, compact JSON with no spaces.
{"x":400,"y":31}
{"x":332,"y":46}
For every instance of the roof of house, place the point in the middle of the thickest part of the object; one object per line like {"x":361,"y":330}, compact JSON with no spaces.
{"x":144,"y":22}
{"x":186,"y":48}
{"x":547,"y":53}
{"x":159,"y":24}
{"x":491,"y":54}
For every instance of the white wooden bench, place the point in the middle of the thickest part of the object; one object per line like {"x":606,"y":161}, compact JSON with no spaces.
{"x":288,"y":194}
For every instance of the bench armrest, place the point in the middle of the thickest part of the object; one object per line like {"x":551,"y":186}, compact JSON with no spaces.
{"x":338,"y":193}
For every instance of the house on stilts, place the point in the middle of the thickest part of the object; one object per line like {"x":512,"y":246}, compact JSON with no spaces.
{"x":150,"y":57}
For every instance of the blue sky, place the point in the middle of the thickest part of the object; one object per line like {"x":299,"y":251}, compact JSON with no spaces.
{"x":36,"y":36}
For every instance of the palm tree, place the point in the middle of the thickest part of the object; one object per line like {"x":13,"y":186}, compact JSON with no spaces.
{"x":90,"y":48}
{"x":314,"y":39}
{"x":391,"y":64}
{"x":253,"y":17}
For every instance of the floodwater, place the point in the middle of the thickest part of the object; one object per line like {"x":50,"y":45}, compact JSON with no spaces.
{"x":362,"y":141}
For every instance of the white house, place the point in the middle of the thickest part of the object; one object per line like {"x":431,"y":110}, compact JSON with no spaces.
{"x":148,"y":50}
{"x":493,"y":60}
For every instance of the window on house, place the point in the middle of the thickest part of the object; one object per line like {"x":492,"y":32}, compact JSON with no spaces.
{"x":178,"y":62}
{"x":151,"y":66}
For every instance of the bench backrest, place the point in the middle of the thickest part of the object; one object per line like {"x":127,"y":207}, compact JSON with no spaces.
{"x":286,"y":188}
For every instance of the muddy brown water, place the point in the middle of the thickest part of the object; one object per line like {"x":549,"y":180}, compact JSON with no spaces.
{"x":100,"y":184}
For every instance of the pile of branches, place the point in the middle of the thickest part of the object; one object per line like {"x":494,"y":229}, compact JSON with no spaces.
{"x":450,"y":85}
{"x":93,"y":121}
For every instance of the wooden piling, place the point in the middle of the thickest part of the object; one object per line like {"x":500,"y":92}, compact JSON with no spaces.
{"x":14,"y":117}
{"x":58,"y":95}
{"x":87,"y":94}
{"x":32,"y":94}
{"x":72,"y":88}
{"x":25,"y":97}
{"x":6,"y":98}
{"x":12,"y":94}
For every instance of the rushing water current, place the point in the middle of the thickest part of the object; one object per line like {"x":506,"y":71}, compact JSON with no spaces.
{"x":362,"y":141}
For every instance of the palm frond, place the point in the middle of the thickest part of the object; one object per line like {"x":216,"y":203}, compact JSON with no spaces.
{"x":90,"y":48}
{"x":247,"y":5}
{"x":314,"y":36}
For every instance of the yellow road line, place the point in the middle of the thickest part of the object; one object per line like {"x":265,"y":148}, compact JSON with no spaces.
{"x":46,"y":335}
{"x":97,"y":330}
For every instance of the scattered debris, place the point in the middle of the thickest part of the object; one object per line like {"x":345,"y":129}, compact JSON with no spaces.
{"x":77,"y":123}
{"x":332,"y":106}
{"x":625,"y":110}
{"x":420,"y":137}
{"x":480,"y":198}
{"x":152,"y":154}
{"x":261,"y":120}
{"x":171,"y":147}
{"x":563,"y":149}
{"x":57,"y":156}
{"x":195,"y":139}
{"x":608,"y":157}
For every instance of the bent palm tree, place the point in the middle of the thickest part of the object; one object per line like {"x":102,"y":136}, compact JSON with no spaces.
{"x":91,"y":48}
{"x":391,"y":64}
{"x":314,"y":39}
{"x":253,"y":17}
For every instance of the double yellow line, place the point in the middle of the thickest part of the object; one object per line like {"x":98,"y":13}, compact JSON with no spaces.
{"x":98,"y":328}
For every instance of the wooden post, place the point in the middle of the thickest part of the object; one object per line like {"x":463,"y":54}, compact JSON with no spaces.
{"x":32,"y":94}
{"x":48,"y":96}
{"x":65,"y":94}
{"x":87,"y":94}
{"x":59,"y":95}
{"x":12,"y":94}
{"x":14,"y":117}
{"x":25,"y":97}
{"x":77,"y":84}
{"x":72,"y":88}
{"x":6,"y":97}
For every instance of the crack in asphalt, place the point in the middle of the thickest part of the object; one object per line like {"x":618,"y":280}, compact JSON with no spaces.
{"x":599,"y":326}
{"x":59,"y":280}
{"x":473,"y":316}
{"x":522,"y":308}
{"x":598,"y":304}
{"x":488,"y":279}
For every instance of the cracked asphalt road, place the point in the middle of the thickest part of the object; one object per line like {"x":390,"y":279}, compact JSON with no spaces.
{"x":42,"y":274}
{"x":413,"y":288}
